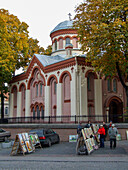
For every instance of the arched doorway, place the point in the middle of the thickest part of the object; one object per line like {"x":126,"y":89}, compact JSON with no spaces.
{"x":116,"y":110}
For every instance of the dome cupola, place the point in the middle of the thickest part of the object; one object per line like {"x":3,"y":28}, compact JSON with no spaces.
{"x":62,"y":35}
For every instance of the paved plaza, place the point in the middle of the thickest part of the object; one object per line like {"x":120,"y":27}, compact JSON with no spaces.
{"x":63,"y":156}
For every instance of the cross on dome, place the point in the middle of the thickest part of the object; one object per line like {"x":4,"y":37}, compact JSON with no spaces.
{"x":70,"y":16}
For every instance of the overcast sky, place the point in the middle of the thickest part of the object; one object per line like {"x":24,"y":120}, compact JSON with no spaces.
{"x":41,"y":15}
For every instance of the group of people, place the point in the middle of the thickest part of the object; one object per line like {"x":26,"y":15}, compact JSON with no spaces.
{"x":111,"y":130}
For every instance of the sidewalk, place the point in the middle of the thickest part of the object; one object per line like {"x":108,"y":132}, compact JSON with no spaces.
{"x":66,"y":150}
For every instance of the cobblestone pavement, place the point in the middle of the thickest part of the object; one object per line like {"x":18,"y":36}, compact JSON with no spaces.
{"x":63,"y":156}
{"x":65,"y":149}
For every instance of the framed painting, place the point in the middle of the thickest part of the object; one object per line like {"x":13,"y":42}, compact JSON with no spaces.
{"x":83,"y":133}
{"x":21,"y":139}
{"x":24,"y":136}
{"x":36,"y":138}
{"x":28,"y":146}
{"x":92,"y":141}
{"x":90,"y":144}
{"x":87,"y":132}
{"x":87,"y":146}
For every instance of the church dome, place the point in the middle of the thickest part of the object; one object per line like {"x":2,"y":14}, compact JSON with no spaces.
{"x":63,"y":25}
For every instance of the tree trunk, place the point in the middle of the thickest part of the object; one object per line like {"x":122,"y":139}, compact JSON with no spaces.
{"x":122,"y":82}
{"x":2,"y":105}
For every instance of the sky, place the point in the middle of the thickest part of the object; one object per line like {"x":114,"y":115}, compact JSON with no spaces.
{"x":42,"y":16}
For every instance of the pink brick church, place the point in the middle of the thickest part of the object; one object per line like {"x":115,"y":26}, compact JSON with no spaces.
{"x":63,"y":84}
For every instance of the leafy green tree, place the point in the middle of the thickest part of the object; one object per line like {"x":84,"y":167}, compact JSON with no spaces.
{"x":48,"y":51}
{"x":16,"y":49}
{"x":34,"y":47}
{"x":13,"y":49}
{"x":103,"y":33}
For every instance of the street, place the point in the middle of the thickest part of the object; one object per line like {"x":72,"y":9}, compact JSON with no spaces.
{"x":63,"y":156}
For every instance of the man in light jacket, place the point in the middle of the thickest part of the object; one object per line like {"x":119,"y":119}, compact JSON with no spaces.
{"x":112,"y":134}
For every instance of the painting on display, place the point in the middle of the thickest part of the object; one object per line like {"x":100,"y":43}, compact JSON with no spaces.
{"x":92,"y":141}
{"x":32,"y":139}
{"x":83,"y":133}
{"x":24,"y":148}
{"x":94,"y":128}
{"x":90,"y":144}
{"x":15,"y":148}
{"x":90,"y":131}
{"x":86,"y":132}
{"x":21,"y":139}
{"x":36,"y":138}
{"x":28,"y":146}
{"x":24,"y":136}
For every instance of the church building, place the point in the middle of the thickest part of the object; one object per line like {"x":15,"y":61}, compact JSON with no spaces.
{"x":64,"y":87}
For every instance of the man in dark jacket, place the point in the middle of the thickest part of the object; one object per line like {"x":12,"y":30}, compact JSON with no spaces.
{"x":112,"y":134}
{"x":106,"y":130}
{"x":79,"y":128}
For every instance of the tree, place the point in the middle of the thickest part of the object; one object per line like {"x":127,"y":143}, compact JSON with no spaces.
{"x":13,"y":49}
{"x":103,"y":33}
{"x":16,"y":49}
{"x":48,"y":51}
{"x":34,"y":47}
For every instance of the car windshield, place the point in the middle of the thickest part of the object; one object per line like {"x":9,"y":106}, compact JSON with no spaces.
{"x":1,"y":130}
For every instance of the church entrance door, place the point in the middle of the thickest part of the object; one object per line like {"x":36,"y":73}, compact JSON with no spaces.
{"x":115,"y":111}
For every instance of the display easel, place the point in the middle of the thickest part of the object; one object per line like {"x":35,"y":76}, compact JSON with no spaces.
{"x":35,"y":140}
{"x":88,"y":140}
{"x":22,"y":144}
{"x":18,"y":147}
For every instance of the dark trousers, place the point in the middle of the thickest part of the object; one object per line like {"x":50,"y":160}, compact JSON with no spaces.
{"x":102,"y":142}
{"x":111,"y":143}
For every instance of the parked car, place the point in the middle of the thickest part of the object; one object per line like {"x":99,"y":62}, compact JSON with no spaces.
{"x":46,"y":136}
{"x":4,"y":134}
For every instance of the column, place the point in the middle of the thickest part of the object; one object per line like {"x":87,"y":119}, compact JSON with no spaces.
{"x":98,"y":98}
{"x":27,"y":103}
{"x":47,"y":100}
{"x":18,"y":104}
{"x":59,"y":101}
{"x":11,"y":99}
{"x":73,"y":95}
{"x":83,"y":96}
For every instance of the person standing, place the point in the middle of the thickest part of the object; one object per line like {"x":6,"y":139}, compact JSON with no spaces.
{"x":101,"y":131}
{"x":112,"y":135}
{"x":106,"y":130}
{"x":89,"y":124}
{"x":79,"y":128}
{"x":110,"y":124}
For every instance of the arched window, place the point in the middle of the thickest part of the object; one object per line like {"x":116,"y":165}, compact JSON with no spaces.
{"x":40,"y":89}
{"x":109,"y":84}
{"x":66,"y":87}
{"x":88,"y":83}
{"x":55,"y":87}
{"x":55,"y":45}
{"x":33,"y":113}
{"x":38,"y":112}
{"x":114,"y":85}
{"x":60,"y":43}
{"x":90,"y":110}
{"x":67,"y":41}
{"x":42,"y":112}
{"x":36,"y":90}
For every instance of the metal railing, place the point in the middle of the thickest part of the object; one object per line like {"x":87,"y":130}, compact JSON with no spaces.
{"x":66,"y":119}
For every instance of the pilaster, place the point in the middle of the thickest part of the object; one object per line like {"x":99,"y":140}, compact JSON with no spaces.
{"x":27,"y":103}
